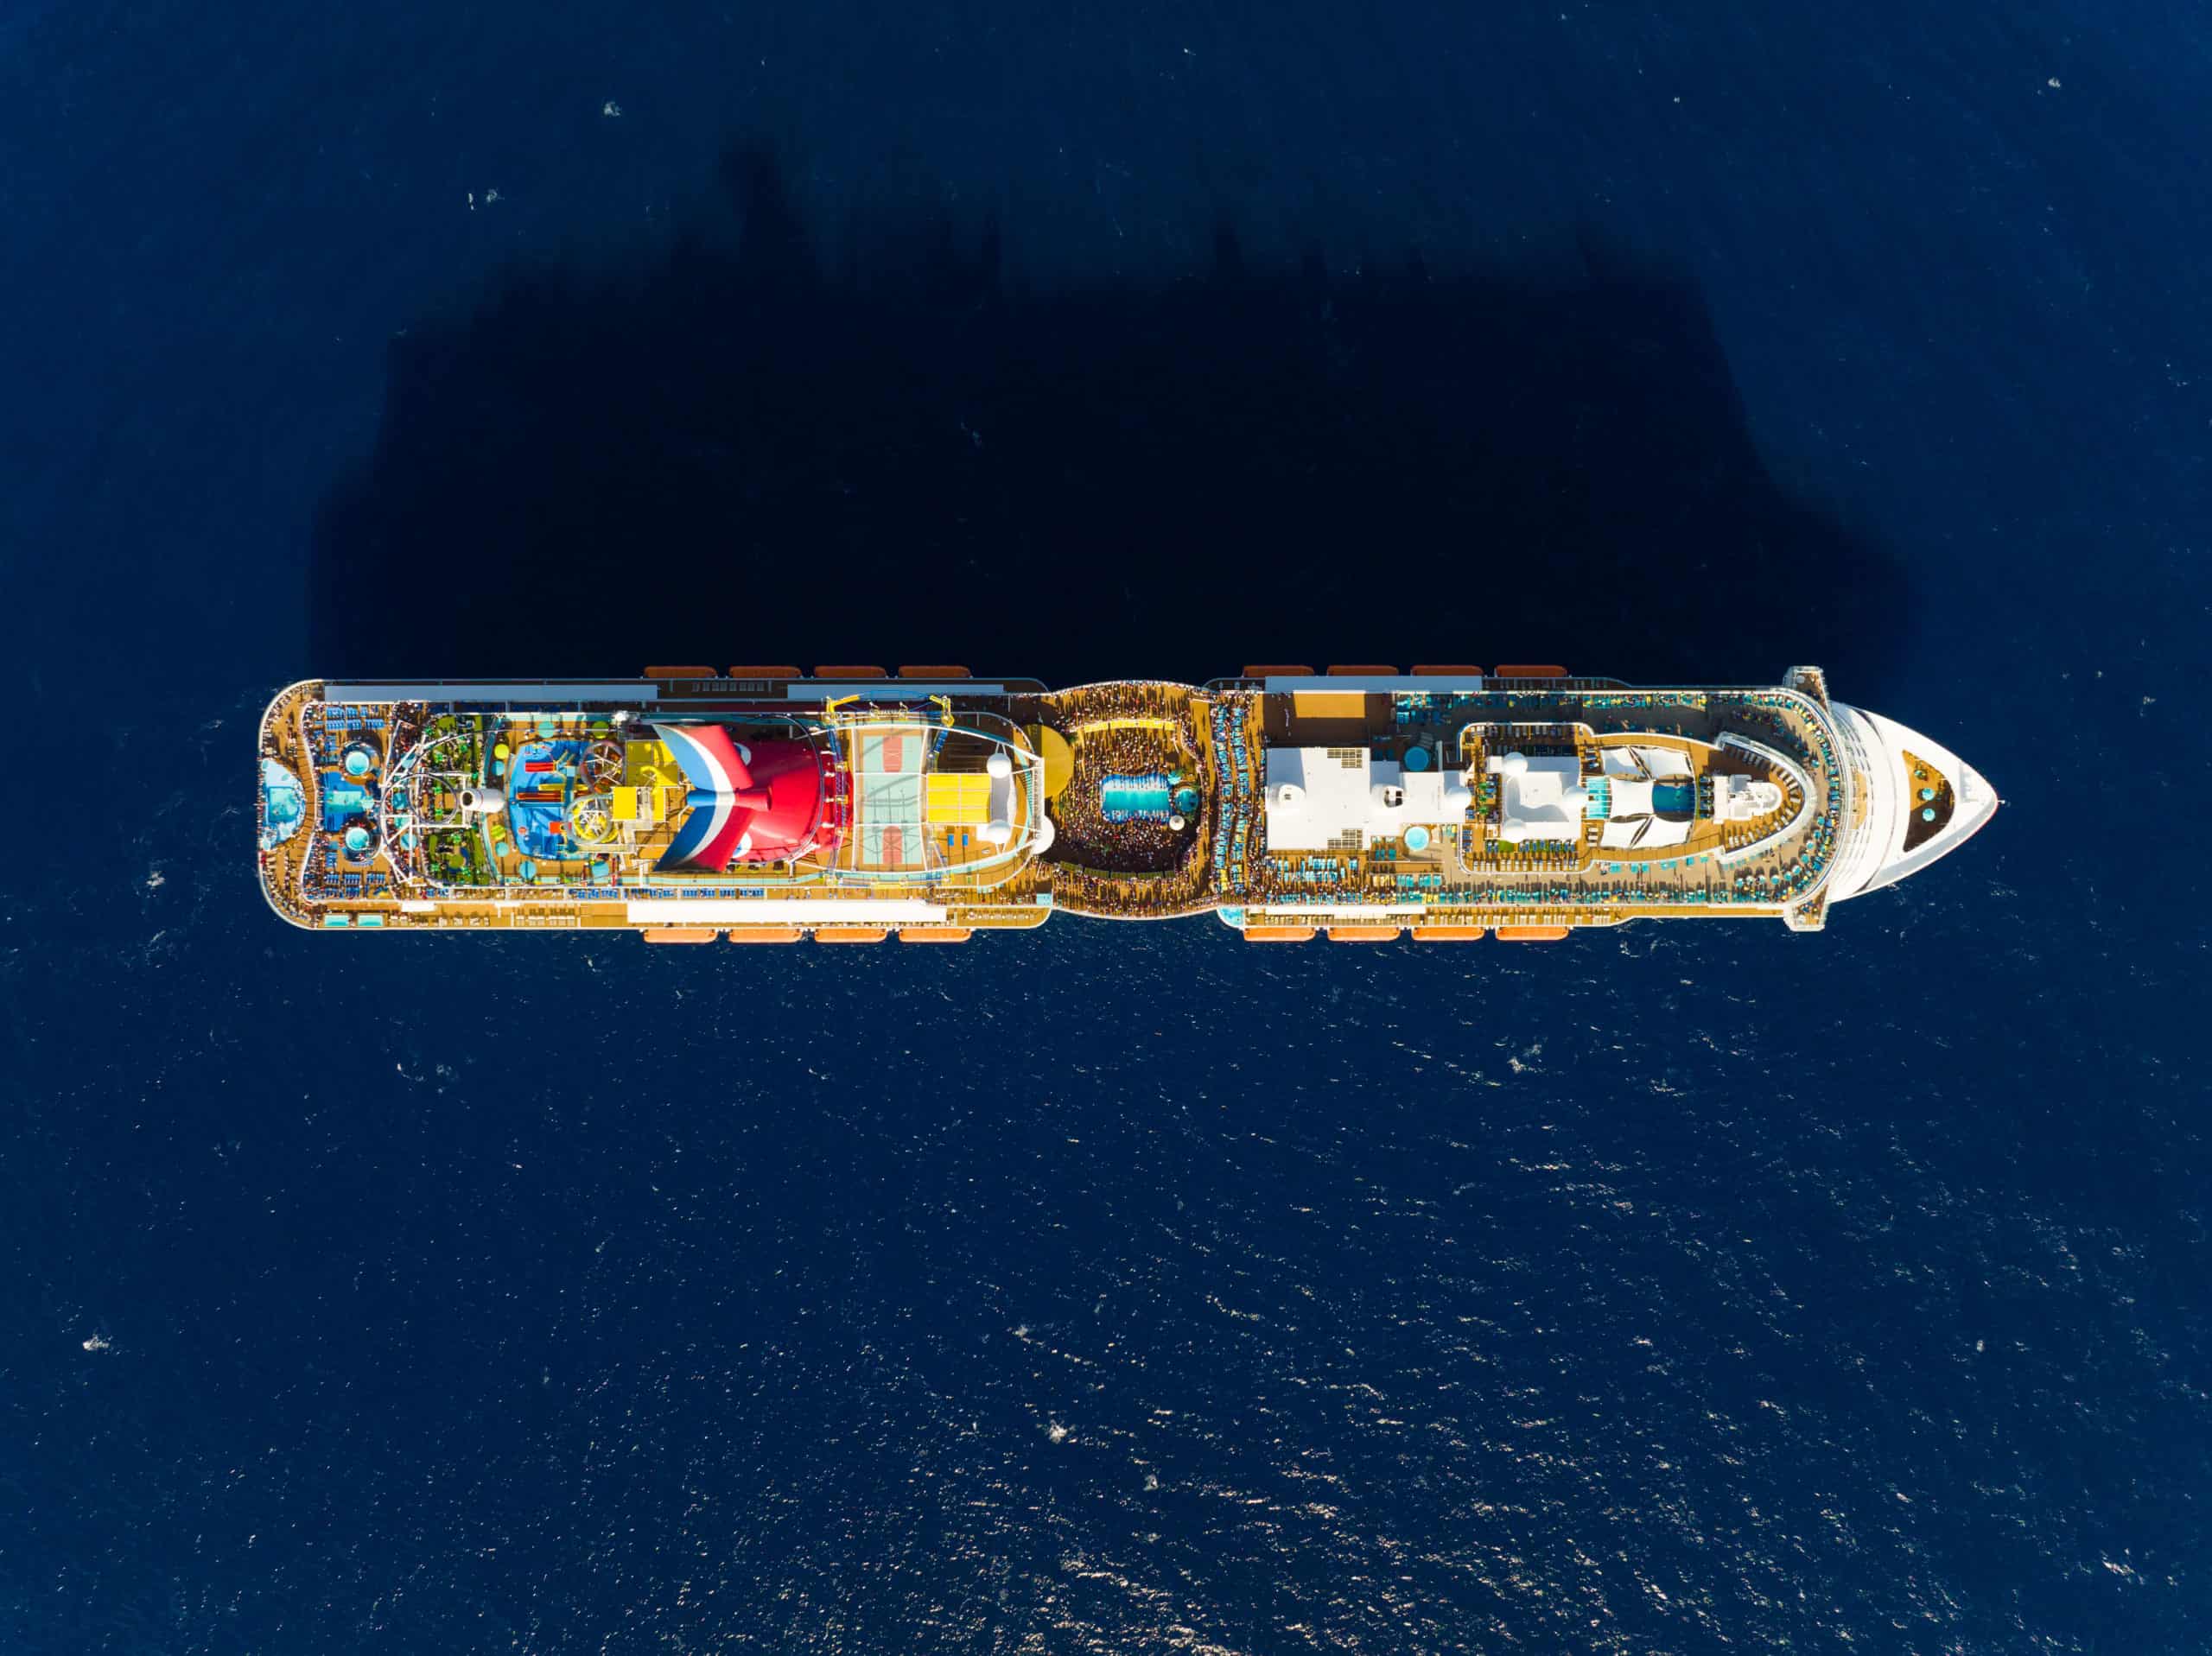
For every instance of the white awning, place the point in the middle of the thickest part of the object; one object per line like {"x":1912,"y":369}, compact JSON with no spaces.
{"x":1316,"y":795}
{"x":1642,"y":761}
{"x":1538,"y":798}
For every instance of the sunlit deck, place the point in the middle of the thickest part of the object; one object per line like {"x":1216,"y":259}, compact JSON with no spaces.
{"x":1757,"y":863}
{"x":1443,"y":803}
{"x":953,"y":801}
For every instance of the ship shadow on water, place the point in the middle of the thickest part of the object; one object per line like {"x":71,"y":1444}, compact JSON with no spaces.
{"x":745,"y":452}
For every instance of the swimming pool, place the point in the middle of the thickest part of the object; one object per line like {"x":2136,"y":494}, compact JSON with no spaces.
{"x":1134,"y":799}
{"x":284,"y":806}
{"x":342,"y":799}
{"x":1674,"y":798}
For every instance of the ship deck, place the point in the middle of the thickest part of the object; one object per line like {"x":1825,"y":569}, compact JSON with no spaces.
{"x":1476,"y":877}
{"x":1142,"y":801}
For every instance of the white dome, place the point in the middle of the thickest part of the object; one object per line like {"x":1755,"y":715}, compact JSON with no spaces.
{"x":1458,"y":799}
{"x":999,"y":766}
{"x":996,"y":833}
{"x":1041,"y":842}
{"x":1289,"y":793}
{"x":1514,"y":764}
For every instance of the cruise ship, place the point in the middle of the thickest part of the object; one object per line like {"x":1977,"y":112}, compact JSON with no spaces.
{"x":854,"y":805}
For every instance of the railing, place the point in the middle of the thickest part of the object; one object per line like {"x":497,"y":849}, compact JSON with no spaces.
{"x":1850,"y":853}
{"x":1731,"y":855}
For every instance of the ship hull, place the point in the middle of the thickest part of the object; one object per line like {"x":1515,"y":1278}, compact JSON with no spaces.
{"x":763,"y":805}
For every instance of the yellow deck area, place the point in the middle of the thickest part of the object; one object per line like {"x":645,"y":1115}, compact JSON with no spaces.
{"x":956,"y":800}
{"x":650,"y":765}
{"x":1058,"y":757}
{"x":1328,"y":704}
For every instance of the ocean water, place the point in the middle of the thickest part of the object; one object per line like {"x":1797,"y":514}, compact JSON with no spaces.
{"x":1115,"y":1288}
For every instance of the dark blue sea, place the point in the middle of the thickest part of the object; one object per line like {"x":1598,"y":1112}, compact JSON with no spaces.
{"x":1112,"y":1289}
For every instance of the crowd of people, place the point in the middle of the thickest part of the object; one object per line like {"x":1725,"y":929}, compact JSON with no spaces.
{"x":1126,"y":730}
{"x":1119,"y":863}
{"x":1100,"y":703}
{"x":1152,"y":896}
{"x":1233,"y":728}
{"x":1111,"y":841}
{"x":1141,"y":867}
